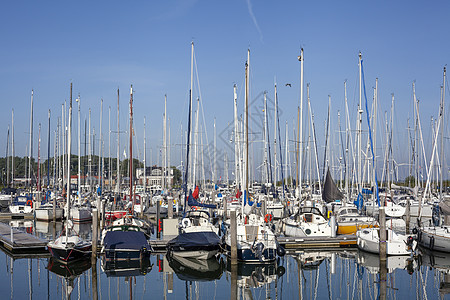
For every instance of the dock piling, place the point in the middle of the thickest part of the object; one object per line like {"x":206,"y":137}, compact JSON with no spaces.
{"x":233,"y":228}
{"x":94,"y":234}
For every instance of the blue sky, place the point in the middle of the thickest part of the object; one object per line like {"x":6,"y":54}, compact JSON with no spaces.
{"x":100,"y":46}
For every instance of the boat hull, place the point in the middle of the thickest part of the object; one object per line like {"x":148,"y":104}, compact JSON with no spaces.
{"x":435,"y":238}
{"x":46,"y":214}
{"x":67,"y":255}
{"x":352,"y":228}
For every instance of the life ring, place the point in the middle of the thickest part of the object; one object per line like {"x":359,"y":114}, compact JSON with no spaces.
{"x":186,"y":222}
{"x":30,"y":203}
{"x":194,"y":207}
{"x":268,"y":218}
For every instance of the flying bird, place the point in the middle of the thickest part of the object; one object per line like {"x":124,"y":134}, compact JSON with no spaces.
{"x":288,"y":84}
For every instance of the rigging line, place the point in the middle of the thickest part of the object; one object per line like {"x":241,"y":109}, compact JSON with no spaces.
{"x":203,"y":113}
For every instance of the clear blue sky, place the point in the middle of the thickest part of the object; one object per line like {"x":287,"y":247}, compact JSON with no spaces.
{"x":104,"y":45}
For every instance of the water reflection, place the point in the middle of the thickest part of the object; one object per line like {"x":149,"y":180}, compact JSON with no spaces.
{"x":349,"y":274}
{"x":68,"y":272}
{"x":191,"y":269}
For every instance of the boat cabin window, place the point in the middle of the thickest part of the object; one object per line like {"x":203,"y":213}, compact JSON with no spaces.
{"x":308,"y":218}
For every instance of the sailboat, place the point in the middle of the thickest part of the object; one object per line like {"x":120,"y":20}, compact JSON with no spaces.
{"x":126,"y":238}
{"x":198,"y":236}
{"x":256,"y":242}
{"x":69,"y":246}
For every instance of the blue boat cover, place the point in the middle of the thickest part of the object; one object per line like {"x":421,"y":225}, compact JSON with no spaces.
{"x":125,"y":240}
{"x":193,"y":202}
{"x":195,"y":239}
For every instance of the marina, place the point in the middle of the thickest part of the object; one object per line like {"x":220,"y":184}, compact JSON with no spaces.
{"x":225,"y":150}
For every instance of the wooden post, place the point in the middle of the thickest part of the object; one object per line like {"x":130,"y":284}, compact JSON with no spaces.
{"x":224,"y":205}
{"x":234,"y":276}
{"x":158,"y":205}
{"x":94,"y":234}
{"x":169,"y":207}
{"x":233,"y":228}
{"x":94,"y":279}
{"x":170,"y":283}
{"x":383,"y":235}
{"x":408,"y":215}
{"x":54,"y":209}
{"x":12,"y":236}
{"x":102,"y":221}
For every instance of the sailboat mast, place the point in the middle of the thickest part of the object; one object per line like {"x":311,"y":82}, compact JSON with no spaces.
{"x":118,"y":147}
{"x":131,"y":147}
{"x":442,"y":160}
{"x":214,"y":175}
{"x":236,"y":139}
{"x":12,"y":149}
{"x":7,"y":158}
{"x":192,"y":181}
{"x":48,"y":151}
{"x":100,"y":148}
{"x":31,"y":139}
{"x":301,"y":59}
{"x":145,"y":165}
{"x":275,"y":137}
{"x":39,"y":161}
{"x":164,"y":164}
{"x":69,"y":149}
{"x":266,"y":166}
{"x":359,"y":124}
{"x":79,"y":149}
{"x":245,"y":180}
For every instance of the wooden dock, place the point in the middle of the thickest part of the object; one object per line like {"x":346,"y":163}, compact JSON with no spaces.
{"x":11,"y":216}
{"x":340,"y":241}
{"x":20,"y":241}
{"x":289,"y":243}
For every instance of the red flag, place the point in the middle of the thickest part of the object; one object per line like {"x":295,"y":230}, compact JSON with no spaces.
{"x":238,"y":194}
{"x":195,"y":193}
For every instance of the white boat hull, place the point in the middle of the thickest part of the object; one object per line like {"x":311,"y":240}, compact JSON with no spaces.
{"x":368,"y":240}
{"x":46,"y":214}
{"x":435,"y":238}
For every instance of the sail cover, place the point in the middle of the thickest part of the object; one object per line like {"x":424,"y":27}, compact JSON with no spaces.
{"x":193,"y":202}
{"x":330,"y":191}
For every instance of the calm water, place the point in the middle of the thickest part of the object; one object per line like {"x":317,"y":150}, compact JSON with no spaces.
{"x":308,"y":275}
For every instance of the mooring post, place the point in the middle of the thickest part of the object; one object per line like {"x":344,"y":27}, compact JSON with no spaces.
{"x":54,"y":209}
{"x":12,"y":236}
{"x":333,"y":225}
{"x":158,"y":205}
{"x":234,"y":276}
{"x":408,"y":215}
{"x":169,"y":207}
{"x":224,"y":205}
{"x":102,"y":220}
{"x":383,"y":235}
{"x":94,"y":234}
{"x":233,"y":228}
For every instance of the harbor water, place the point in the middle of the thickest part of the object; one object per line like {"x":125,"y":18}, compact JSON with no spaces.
{"x":305,"y":274}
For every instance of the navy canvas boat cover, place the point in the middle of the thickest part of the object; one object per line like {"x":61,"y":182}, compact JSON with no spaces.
{"x":195,"y":239}
{"x":125,"y":240}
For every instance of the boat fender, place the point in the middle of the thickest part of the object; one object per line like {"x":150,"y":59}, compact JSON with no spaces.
{"x":259,"y":251}
{"x":280,"y":250}
{"x":268,"y":218}
{"x":280,"y":271}
{"x":414,"y":231}
{"x":186,"y":222}
{"x":419,"y":236}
